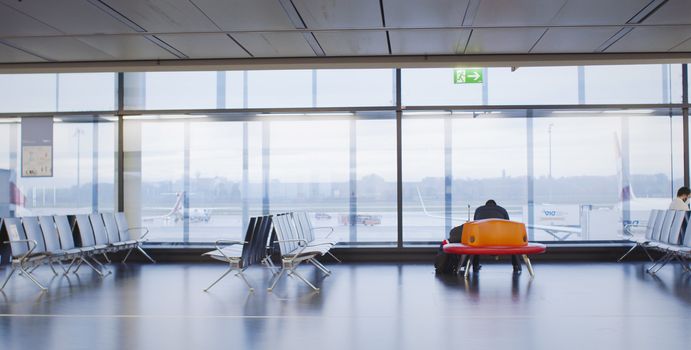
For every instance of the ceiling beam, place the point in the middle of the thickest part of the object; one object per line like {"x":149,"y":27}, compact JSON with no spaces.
{"x":416,"y":61}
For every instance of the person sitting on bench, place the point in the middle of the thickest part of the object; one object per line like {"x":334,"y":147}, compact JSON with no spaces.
{"x":493,"y":211}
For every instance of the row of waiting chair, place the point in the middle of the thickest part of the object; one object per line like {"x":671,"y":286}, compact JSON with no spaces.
{"x":289,"y":235}
{"x":667,"y":231}
{"x":73,"y":240}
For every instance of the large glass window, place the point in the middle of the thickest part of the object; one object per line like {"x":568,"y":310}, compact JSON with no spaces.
{"x":201,"y":179}
{"x":83,"y":178}
{"x":65,"y":92}
{"x":453,"y":163}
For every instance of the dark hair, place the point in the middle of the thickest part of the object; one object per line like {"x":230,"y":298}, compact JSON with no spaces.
{"x":683,"y":191}
{"x":491,"y":202}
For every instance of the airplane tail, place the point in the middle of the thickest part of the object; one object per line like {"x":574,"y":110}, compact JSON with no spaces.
{"x":177,"y":208}
{"x":626,"y":193}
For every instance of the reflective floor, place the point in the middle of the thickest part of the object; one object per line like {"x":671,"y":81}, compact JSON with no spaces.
{"x":361,"y":306}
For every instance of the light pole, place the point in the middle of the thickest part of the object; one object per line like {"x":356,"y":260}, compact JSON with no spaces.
{"x":78,"y":134}
{"x":549,"y":131}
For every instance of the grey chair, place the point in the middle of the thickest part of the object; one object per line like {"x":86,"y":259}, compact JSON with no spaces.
{"x":643,"y":242}
{"x":24,"y":255}
{"x":53,"y":242}
{"x":242,"y":254}
{"x":125,"y":236}
{"x":669,"y":240}
{"x":87,"y":241}
{"x":293,"y":249}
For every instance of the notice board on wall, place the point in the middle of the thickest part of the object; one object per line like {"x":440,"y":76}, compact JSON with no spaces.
{"x":37,"y":147}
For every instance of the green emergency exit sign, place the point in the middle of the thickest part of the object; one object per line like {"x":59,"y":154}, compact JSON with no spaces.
{"x":467,"y":76}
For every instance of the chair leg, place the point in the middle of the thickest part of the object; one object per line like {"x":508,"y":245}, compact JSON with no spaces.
{"x":529,"y":265}
{"x":70,"y":266}
{"x":467,"y":267}
{"x":50,"y":263}
{"x":220,"y":278}
{"x":628,"y":252}
{"x":106,"y":257}
{"x":646,"y":252}
{"x":304,"y":280}
{"x":660,"y":264}
{"x":127,"y":255}
{"x":145,"y":254}
{"x":334,"y":257}
{"x":31,"y":277}
{"x":320,"y":266}
{"x":101,"y":267}
{"x":242,"y":276}
{"x":276,"y":279}
{"x":9,"y":275}
{"x":100,"y":273}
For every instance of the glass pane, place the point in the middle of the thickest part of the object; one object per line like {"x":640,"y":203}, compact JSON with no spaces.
{"x":57,"y":92}
{"x":630,"y":84}
{"x":533,"y":86}
{"x":83,"y":169}
{"x":276,"y":89}
{"x":180,"y":90}
{"x":222,"y":193}
{"x":375,"y":171}
{"x":161,"y":163}
{"x":478,"y":158}
{"x":599,"y":171}
{"x":309,"y":170}
{"x":435,"y":87}
{"x":355,"y":87}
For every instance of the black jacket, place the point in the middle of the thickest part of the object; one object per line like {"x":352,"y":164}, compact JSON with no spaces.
{"x":490,"y":212}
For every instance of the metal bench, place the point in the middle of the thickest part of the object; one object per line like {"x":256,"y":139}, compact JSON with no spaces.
{"x":242,"y":254}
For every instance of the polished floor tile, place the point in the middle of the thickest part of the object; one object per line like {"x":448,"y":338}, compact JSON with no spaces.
{"x":360,"y":306}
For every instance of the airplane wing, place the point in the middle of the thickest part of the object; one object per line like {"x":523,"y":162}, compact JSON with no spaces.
{"x":554,"y":231}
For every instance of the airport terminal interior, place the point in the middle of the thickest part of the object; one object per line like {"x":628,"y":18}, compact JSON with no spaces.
{"x":275,"y":174}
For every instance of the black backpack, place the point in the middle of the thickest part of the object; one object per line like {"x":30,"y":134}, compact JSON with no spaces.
{"x":446,"y":263}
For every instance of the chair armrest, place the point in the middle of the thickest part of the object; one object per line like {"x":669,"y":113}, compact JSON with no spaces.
{"x":324,"y":228}
{"x":145,"y":229}
{"x":226,"y":242}
{"x":627,"y":228}
{"x":31,"y":249}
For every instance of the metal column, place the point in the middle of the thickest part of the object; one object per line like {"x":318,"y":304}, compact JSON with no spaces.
{"x":399,"y":160}
{"x":530,"y":177}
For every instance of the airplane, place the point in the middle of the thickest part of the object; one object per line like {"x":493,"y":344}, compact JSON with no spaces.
{"x":639,"y":207}
{"x":361,"y":219}
{"x":561,"y":233}
{"x":176,"y":213}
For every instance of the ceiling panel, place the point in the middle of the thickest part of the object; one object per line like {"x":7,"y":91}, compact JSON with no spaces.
{"x":421,"y":13}
{"x":422,"y":42}
{"x":589,"y":12}
{"x":128,"y":47}
{"x":246,"y":15}
{"x":163,"y":15}
{"x":570,"y":40}
{"x":205,"y":45}
{"x":516,"y":40}
{"x":13,"y":22}
{"x":321,"y":14}
{"x":71,"y":16}
{"x":647,"y":39}
{"x":353,"y":43}
{"x":683,"y":47}
{"x":275,"y":44}
{"x":515,"y":12}
{"x":9,"y":54}
{"x":672,"y":12}
{"x":60,"y":48}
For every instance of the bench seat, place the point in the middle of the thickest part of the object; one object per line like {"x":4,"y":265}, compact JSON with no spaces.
{"x":462,"y":249}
